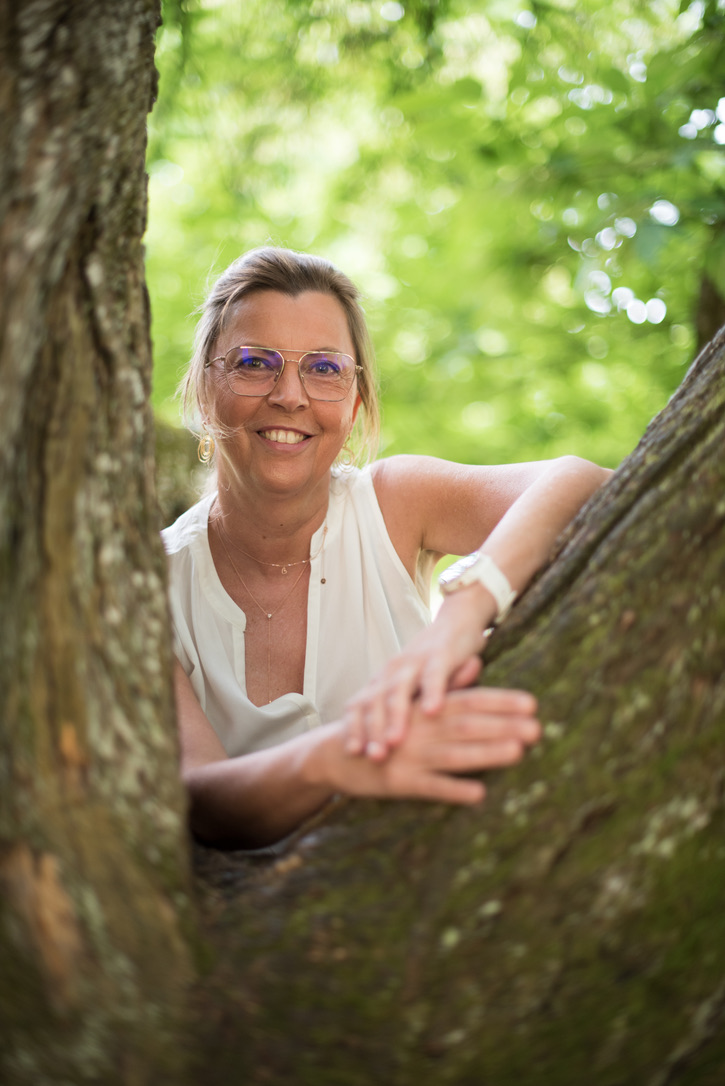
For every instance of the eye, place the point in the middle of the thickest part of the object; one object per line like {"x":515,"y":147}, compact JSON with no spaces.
{"x":250,"y":360}
{"x":325,"y":365}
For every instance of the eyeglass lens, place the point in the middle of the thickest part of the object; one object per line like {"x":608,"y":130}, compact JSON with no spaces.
{"x":254,"y":371}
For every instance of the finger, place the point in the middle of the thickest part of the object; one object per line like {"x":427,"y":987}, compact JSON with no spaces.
{"x":376,"y":747}
{"x":441,"y":788}
{"x":477,"y":727}
{"x":354,"y":729}
{"x":491,"y":699}
{"x":466,"y":673}
{"x":460,"y":757}
{"x":362,"y":712}
{"x":433,"y":682}
{"x":398,"y":705}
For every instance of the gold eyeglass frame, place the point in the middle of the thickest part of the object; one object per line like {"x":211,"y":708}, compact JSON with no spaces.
{"x":279,"y":351}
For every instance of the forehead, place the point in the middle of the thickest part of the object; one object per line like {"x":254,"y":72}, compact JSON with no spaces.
{"x":303,"y":322}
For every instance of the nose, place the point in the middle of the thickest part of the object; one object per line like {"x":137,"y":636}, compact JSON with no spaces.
{"x":289,"y":392}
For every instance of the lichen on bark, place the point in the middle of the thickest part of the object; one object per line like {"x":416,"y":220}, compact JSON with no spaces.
{"x":92,"y":848}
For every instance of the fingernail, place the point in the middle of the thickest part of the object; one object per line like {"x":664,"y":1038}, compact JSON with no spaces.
{"x":375,"y":750}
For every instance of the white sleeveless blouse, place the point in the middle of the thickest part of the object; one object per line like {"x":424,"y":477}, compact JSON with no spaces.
{"x":365,"y":612}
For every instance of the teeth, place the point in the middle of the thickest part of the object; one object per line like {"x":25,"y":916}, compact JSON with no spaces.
{"x":285,"y":437}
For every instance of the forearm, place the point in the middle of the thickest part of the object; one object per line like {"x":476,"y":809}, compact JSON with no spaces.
{"x":522,"y":540}
{"x":256,"y":799}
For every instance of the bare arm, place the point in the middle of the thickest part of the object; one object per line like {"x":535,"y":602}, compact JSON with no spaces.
{"x":512,"y":513}
{"x":516,"y":510}
{"x":248,"y":801}
{"x":256,"y":799}
{"x":519,"y":544}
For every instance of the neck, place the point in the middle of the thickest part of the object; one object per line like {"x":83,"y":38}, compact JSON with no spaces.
{"x":275,"y":529}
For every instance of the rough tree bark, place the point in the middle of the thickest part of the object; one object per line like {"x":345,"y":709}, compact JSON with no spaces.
{"x":570,"y":931}
{"x":93,"y":867}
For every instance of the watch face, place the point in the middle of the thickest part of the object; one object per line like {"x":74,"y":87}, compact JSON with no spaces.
{"x":448,"y":576}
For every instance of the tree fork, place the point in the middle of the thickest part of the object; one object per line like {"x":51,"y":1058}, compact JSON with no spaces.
{"x":572,"y":929}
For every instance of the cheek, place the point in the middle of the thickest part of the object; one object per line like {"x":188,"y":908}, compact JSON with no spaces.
{"x":347,"y":421}
{"x":352,"y":406}
{"x":216,"y":394}
{"x":334,"y":418}
{"x":230,"y":409}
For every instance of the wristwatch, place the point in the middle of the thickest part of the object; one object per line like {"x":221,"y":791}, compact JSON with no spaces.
{"x":479,"y":569}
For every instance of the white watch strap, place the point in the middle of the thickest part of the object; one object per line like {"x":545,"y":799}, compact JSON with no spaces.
{"x":497,"y":583}
{"x":481,"y":569}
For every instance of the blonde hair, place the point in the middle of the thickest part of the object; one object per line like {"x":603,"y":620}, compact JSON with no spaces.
{"x":291,"y":273}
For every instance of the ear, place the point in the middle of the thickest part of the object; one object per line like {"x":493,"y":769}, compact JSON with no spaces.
{"x":356,"y":408}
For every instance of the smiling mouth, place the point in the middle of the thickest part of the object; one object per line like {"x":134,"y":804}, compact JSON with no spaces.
{"x":284,"y":437}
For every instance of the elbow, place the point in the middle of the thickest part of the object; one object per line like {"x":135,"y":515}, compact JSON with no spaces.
{"x":215,"y":818}
{"x":208,"y":822}
{"x":210,"y":828}
{"x":590,"y":475}
{"x":203,"y":824}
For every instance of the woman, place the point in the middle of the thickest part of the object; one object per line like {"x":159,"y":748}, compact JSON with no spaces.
{"x":307,"y":664}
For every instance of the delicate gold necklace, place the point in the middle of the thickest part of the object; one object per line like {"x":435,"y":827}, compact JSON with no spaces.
{"x":284,"y":566}
{"x":269,"y":615}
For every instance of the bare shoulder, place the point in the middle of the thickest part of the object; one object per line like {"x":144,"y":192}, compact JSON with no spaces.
{"x":403,"y":488}
{"x":420,"y":494}
{"x":410,"y":478}
{"x":414,"y":474}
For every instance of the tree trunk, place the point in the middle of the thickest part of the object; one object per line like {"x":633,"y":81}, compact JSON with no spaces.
{"x":93,"y":864}
{"x":572,"y":930}
{"x":710,"y":311}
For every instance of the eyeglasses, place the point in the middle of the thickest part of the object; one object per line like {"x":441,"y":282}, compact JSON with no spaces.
{"x":254,"y":371}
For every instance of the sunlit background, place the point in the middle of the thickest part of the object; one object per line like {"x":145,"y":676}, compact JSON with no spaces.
{"x":531,"y":197}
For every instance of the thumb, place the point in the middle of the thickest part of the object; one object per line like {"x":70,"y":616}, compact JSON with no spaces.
{"x":433,"y":689}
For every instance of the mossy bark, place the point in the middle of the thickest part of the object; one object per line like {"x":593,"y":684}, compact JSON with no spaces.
{"x":93,"y":867}
{"x":572,"y":930}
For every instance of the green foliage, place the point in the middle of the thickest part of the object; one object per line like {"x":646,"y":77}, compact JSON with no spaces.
{"x":528,"y":198}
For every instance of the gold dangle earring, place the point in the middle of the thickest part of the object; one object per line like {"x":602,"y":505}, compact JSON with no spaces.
{"x":206,"y":447}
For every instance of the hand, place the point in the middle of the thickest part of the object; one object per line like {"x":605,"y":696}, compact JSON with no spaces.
{"x":444,"y":656}
{"x":478,"y":728}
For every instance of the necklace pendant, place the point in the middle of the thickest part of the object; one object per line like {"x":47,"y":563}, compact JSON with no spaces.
{"x":284,"y":569}
{"x":269,"y":616}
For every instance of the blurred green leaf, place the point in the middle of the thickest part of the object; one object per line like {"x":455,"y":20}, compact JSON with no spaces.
{"x":487,"y":173}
